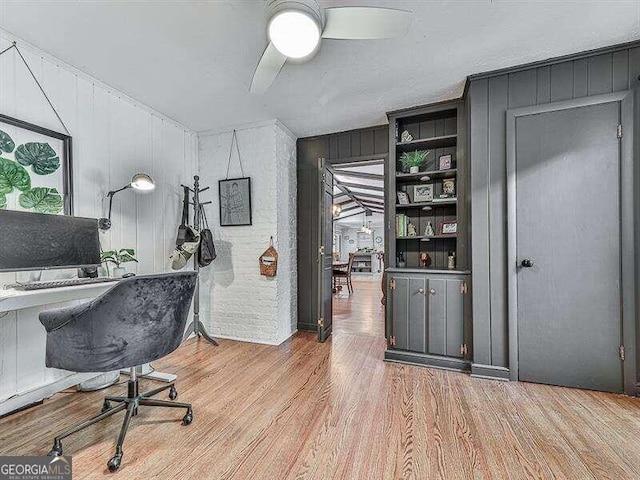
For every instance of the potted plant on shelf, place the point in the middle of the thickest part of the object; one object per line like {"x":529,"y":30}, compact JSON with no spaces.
{"x":412,"y":161}
{"x":118,"y":257}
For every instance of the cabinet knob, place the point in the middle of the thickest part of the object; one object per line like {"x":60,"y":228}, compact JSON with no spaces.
{"x":432,"y":291}
{"x":421,"y":291}
{"x":527,"y":263}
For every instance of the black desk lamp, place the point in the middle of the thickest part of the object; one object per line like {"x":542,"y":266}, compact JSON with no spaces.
{"x":140,"y":182}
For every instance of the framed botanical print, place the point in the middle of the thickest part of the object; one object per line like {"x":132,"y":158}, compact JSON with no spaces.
{"x":35,"y":168}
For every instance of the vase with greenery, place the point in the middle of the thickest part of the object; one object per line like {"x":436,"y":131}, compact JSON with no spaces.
{"x":118,"y":257}
{"x":412,"y":161}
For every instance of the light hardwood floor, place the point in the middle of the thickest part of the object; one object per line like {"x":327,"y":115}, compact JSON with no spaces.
{"x":306,"y":410}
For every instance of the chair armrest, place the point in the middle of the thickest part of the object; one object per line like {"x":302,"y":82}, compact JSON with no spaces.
{"x":58,"y":317}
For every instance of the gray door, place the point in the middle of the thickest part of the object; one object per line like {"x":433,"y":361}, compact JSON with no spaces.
{"x":409,"y":313}
{"x":325,"y":254}
{"x":567,"y":210}
{"x":446,"y":317}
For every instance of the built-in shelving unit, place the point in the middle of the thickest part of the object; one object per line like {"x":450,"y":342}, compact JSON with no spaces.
{"x":437,"y":129}
{"x":428,"y":308}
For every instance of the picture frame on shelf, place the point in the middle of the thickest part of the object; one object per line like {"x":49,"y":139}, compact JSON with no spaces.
{"x":403,"y":198}
{"x":444,"y":162}
{"x":423,"y":193}
{"x":449,"y":228}
{"x":405,"y":137}
{"x":448,"y":188}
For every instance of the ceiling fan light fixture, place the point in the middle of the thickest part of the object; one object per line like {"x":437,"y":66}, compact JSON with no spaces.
{"x":294,"y":33}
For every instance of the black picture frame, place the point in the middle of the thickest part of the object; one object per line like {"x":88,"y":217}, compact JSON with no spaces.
{"x":66,"y":160}
{"x":235,"y":208}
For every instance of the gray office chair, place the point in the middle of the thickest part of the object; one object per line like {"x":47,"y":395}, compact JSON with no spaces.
{"x":138,"y":320}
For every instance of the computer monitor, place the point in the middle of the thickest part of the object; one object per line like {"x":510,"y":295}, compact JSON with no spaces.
{"x":36,"y":241}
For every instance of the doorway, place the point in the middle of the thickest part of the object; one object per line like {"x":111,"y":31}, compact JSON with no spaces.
{"x":358,"y":246}
{"x":571,"y":247}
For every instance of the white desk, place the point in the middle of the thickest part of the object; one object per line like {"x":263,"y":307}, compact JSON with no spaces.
{"x":24,"y":378}
{"x":19,"y":299}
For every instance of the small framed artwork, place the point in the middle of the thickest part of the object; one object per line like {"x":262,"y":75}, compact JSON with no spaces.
{"x":423,"y":193}
{"x":449,"y":228}
{"x":444,"y":162}
{"x":403,"y":198}
{"x":449,"y":187}
{"x":235,"y":201}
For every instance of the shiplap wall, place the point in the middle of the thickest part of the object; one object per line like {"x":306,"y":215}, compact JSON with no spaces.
{"x":113,"y":138}
{"x":489,"y":98}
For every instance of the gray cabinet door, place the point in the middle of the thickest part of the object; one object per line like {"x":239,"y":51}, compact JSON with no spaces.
{"x":400,"y":312}
{"x":456,"y":301}
{"x":409,"y":313}
{"x":446,"y":314}
{"x":417,"y":314}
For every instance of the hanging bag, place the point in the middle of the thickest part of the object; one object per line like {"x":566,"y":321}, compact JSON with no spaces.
{"x":207,"y":252}
{"x":269,"y":261}
{"x":183,"y":230}
{"x":188,"y":238}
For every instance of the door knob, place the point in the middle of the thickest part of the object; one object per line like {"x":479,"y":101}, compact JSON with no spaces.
{"x":526,"y":263}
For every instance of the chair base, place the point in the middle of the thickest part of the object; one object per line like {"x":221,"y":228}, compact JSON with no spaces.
{"x":337,"y":282}
{"x":130,"y":405}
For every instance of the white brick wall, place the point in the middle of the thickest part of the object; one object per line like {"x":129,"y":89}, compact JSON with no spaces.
{"x":236,"y":301}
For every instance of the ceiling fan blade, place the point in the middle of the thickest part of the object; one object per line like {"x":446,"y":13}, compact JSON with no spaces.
{"x":267,"y":70}
{"x":365,"y":23}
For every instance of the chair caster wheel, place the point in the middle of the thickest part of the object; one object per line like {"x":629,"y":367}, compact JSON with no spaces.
{"x":114,"y":463}
{"x":173,"y":393}
{"x":106,"y":406}
{"x":56,"y":451}
{"x":188,"y":418}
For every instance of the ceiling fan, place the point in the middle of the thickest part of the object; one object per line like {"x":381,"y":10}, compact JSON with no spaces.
{"x":296,"y":28}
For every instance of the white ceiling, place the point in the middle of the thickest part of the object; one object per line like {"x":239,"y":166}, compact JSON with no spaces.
{"x":193,"y":60}
{"x":376,"y":221}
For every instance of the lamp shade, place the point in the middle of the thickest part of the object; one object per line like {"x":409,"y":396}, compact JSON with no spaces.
{"x":143,"y":182}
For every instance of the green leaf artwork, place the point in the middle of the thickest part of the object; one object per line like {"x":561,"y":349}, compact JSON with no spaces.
{"x":3,"y":201}
{"x":41,"y":200}
{"x":13,"y":175}
{"x":42,"y":158}
{"x":6,"y":143}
